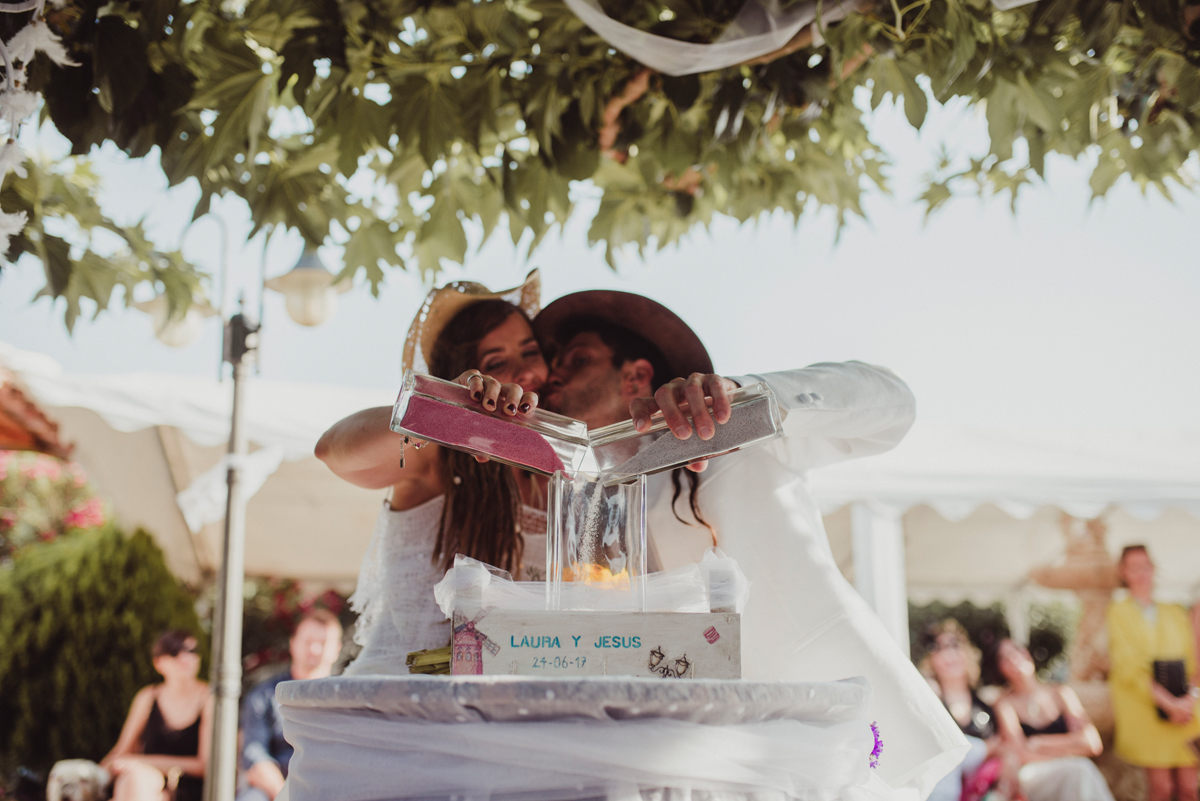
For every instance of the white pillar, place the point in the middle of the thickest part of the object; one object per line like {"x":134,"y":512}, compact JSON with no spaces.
{"x":879,"y":575}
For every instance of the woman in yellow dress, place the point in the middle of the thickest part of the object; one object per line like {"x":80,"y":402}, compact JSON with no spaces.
{"x":1141,"y":632}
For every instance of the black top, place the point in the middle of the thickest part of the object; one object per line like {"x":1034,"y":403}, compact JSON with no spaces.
{"x":1056,"y":726}
{"x":982,"y":721}
{"x":159,"y":738}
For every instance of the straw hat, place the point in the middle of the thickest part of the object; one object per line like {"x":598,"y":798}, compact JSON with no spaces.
{"x":683,"y":350}
{"x":443,"y":303}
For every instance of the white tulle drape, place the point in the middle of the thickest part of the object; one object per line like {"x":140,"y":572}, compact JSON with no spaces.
{"x":761,"y":27}
{"x":360,"y":740}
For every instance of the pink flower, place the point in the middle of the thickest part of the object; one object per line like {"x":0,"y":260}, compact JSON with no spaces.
{"x":43,"y":467}
{"x":87,"y":515}
{"x":77,"y":473}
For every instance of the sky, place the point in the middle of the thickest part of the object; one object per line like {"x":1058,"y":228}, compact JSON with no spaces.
{"x":1068,"y":314}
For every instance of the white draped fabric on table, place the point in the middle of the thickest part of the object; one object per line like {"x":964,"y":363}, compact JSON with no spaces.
{"x":499,"y":738}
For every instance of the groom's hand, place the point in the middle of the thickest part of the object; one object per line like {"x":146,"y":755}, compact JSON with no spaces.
{"x":691,"y":392}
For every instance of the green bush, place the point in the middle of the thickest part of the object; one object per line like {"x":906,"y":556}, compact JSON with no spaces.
{"x":78,"y":617}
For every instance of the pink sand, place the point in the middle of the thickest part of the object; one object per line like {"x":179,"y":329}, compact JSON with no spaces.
{"x":478,"y":432}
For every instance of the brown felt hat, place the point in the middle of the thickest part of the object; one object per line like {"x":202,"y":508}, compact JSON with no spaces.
{"x":683,"y":350}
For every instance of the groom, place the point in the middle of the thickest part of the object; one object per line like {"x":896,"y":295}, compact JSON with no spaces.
{"x":619,"y":356}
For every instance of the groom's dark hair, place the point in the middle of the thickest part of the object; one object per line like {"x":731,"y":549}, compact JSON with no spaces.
{"x":626,"y":345}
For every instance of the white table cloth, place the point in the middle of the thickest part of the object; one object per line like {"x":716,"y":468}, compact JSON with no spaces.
{"x":376,"y":738}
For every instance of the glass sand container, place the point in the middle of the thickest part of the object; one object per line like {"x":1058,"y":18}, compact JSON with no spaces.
{"x":444,"y":412}
{"x":622,"y":452}
{"x":596,"y":543}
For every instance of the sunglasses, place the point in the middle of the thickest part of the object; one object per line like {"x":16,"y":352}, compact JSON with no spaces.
{"x":936,"y":646}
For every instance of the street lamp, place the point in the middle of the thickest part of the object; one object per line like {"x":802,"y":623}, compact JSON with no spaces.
{"x":177,"y":331}
{"x":309,"y":291}
{"x":311,"y":298}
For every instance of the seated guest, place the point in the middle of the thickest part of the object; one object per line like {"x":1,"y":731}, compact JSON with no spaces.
{"x":1049,"y":731}
{"x":163,"y":748}
{"x":314,"y":647}
{"x":951,"y":664}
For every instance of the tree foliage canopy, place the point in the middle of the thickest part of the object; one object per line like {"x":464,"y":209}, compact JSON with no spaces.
{"x":488,"y":110}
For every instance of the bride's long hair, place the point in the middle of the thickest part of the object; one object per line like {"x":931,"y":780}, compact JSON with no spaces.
{"x":479,"y":518}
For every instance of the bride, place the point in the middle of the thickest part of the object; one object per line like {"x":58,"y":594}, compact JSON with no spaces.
{"x":444,"y":502}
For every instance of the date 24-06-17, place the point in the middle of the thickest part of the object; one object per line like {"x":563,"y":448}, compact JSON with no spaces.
{"x":559,"y":661}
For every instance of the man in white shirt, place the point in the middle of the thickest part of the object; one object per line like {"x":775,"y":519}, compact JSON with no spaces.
{"x":803,"y":621}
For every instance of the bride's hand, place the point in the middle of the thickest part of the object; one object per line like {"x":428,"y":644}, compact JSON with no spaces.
{"x":508,"y":399}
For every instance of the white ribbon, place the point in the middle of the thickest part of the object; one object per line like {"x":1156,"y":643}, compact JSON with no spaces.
{"x":761,"y":27}
{"x":203,"y":501}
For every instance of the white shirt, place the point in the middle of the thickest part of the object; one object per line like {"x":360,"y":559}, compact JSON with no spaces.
{"x":803,"y":621}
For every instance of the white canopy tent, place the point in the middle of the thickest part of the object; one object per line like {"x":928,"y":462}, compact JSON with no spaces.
{"x":951,"y":514}
{"x":154,"y":446}
{"x":958,"y":514}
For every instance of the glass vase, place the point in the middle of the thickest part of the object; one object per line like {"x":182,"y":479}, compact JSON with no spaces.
{"x":596,"y":543}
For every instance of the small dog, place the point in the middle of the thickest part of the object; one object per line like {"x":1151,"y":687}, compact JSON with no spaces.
{"x":78,"y":780}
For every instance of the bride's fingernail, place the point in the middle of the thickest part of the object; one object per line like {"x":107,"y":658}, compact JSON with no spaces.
{"x":525,"y":407}
{"x":477,"y":395}
{"x":511,"y":408}
{"x":491,"y":404}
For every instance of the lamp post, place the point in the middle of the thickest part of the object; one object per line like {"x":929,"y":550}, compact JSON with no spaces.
{"x":241,"y":342}
{"x":311,"y":298}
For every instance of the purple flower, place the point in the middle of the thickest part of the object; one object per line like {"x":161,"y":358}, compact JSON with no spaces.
{"x":878,"y":749}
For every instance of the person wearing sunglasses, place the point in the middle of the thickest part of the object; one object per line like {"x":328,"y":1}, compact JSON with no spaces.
{"x":951,"y":664}
{"x":163,"y":748}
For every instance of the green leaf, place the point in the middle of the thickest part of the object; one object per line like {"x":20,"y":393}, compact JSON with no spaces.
{"x":934,"y":196}
{"x":1002,"y":117}
{"x":371,"y":244}
{"x":1036,"y":106}
{"x":57,"y":265}
{"x":241,"y":103}
{"x":361,"y":124}
{"x":441,"y":237}
{"x":426,"y":112}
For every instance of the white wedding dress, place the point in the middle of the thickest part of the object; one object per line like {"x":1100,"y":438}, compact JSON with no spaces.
{"x":394,"y":598}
